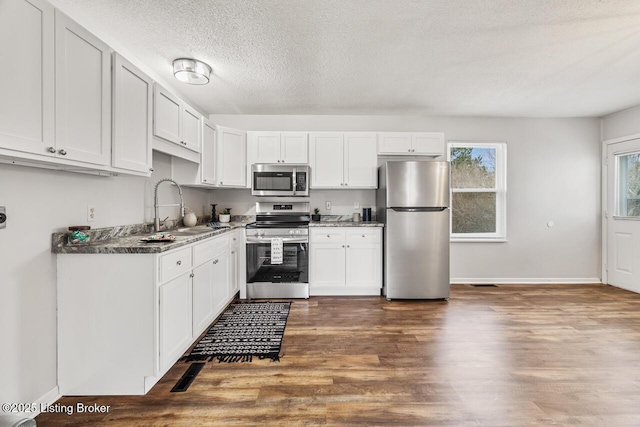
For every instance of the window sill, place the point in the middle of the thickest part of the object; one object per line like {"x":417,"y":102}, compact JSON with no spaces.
{"x":479,"y":240}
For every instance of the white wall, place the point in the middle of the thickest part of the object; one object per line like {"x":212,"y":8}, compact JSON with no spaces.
{"x":40,"y":202}
{"x":553,"y":175}
{"x":620,"y":124}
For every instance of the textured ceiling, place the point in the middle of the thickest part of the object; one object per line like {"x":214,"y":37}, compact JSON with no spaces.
{"x":524,"y":58}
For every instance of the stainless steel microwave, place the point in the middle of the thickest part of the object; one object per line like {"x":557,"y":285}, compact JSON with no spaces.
{"x":279,"y":180}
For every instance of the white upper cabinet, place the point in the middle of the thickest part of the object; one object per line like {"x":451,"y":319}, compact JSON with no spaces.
{"x":294,"y":147}
{"x":231,"y":161}
{"x":175,"y":121}
{"x":27,"y":98}
{"x":343,"y":160}
{"x":264,"y":147}
{"x":166,"y":115}
{"x":83,"y":94}
{"x":191,"y":128}
{"x":132,"y":117}
{"x":411,"y":143}
{"x":326,"y":158}
{"x":360,"y":160}
{"x":278,"y":147}
{"x":208,"y":154}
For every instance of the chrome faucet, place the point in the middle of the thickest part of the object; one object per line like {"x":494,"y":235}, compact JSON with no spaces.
{"x":156,"y":222}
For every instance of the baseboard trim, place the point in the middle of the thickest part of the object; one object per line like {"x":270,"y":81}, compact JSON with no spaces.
{"x":48,"y":399}
{"x":528,"y":281}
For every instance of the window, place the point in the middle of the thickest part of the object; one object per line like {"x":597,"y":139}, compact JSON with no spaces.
{"x":628,"y":185}
{"x":478,"y":191}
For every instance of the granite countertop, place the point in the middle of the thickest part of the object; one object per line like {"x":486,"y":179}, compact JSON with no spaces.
{"x":126,"y":240}
{"x":348,"y":223}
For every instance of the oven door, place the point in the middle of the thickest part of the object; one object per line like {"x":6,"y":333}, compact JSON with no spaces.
{"x":290,"y":279}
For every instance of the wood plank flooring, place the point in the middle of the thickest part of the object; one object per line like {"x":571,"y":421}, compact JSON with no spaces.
{"x":514,"y":355}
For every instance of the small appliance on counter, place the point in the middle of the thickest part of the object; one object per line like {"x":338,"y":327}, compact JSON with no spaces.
{"x":366,"y":214}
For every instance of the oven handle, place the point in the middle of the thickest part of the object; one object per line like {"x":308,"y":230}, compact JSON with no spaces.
{"x":284,"y":239}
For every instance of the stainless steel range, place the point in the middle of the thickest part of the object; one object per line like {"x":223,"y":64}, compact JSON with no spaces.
{"x":278,"y":251}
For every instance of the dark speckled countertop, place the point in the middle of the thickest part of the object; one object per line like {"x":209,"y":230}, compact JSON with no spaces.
{"x":127,"y":240}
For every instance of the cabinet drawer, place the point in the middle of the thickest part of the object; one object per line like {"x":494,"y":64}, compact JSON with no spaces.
{"x":175,"y":263}
{"x":364,"y":235}
{"x":208,"y":249}
{"x":327,"y":235}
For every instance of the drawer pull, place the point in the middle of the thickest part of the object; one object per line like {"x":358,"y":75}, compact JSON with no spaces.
{"x":215,"y":261}
{"x":191,"y":275}
{"x":363,"y":235}
{"x":343,"y":246}
{"x":179,"y":262}
{"x":328,"y":236}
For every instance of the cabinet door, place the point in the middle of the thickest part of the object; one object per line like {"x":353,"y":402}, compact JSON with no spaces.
{"x":132,"y":105}
{"x":265,"y":147}
{"x":221,"y":281}
{"x":234,"y":272}
{"x":360,"y":160}
{"x":232,"y":160}
{"x":83,"y":94}
{"x":190,"y":128}
{"x":204,"y":302}
{"x":428,"y":143}
{"x":394,"y":143}
{"x":27,"y":100}
{"x":326,"y":265}
{"x":294,"y":147}
{"x":166,"y":115}
{"x":208,"y":153}
{"x":326,"y":159}
{"x":175,"y":319}
{"x":364,"y":259}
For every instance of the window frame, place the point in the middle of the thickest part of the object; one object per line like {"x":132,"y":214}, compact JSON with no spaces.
{"x":500,"y":190}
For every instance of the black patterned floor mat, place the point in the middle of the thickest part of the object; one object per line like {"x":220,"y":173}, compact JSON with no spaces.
{"x":243,"y":331}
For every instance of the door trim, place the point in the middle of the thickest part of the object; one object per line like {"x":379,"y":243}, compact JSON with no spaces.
{"x":604,"y":200}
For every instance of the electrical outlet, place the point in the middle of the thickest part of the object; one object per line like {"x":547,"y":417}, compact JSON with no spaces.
{"x":91,"y":213}
{"x":327,"y":205}
{"x":356,"y":205}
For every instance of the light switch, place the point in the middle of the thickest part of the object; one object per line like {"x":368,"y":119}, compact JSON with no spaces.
{"x":327,"y":205}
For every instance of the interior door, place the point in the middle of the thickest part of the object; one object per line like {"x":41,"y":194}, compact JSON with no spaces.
{"x":623,"y":215}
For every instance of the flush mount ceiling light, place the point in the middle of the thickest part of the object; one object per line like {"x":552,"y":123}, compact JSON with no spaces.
{"x":191,"y":71}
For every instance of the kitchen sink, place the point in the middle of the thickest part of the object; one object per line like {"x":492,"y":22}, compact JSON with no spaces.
{"x":191,"y":231}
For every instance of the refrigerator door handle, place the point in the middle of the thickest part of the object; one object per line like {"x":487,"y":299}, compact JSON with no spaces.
{"x":429,"y":209}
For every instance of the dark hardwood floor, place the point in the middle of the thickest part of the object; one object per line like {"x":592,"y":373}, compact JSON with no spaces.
{"x":514,"y":355}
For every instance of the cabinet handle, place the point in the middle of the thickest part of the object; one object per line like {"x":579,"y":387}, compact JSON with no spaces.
{"x":150,"y":169}
{"x":343,"y":246}
{"x":409,"y":150}
{"x":328,"y":236}
{"x":191,"y":275}
{"x":345,"y":184}
{"x":220,"y":182}
{"x":215,"y":261}
{"x":348,"y":246}
{"x":62,"y":152}
{"x":233,"y":252}
{"x":51,"y":150}
{"x":363,"y":235}
{"x":179,"y":262}
{"x":234,"y":239}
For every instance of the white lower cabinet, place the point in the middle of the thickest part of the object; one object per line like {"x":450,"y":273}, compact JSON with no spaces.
{"x":175,"y":319}
{"x":125,"y":319}
{"x":345,"y":261}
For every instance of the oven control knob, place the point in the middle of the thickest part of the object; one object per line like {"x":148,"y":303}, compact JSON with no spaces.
{"x":291,"y":232}
{"x":298,"y":232}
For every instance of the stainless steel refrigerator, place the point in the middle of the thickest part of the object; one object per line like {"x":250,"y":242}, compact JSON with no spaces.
{"x":413,"y":202}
